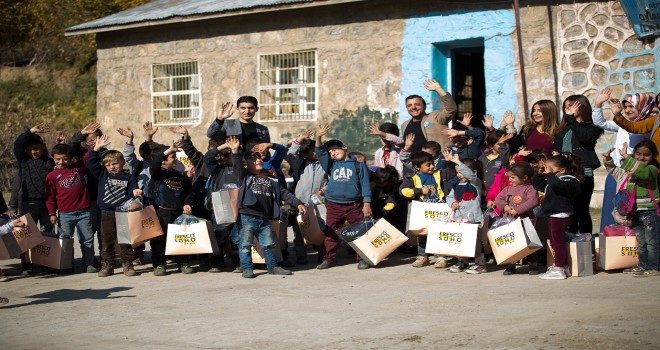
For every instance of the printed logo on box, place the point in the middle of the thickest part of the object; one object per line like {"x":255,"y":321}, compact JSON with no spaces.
{"x":432,"y":214}
{"x":41,"y":250}
{"x":451,"y":237}
{"x":505,"y":239}
{"x":382,"y":238}
{"x":185,"y":239}
{"x":148,"y":223}
{"x":629,"y":251}
{"x":23,"y":232}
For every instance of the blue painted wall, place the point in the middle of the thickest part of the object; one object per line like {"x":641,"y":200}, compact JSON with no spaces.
{"x":422,"y":59}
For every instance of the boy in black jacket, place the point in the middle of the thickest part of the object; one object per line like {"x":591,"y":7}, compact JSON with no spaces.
{"x":171,"y":193}
{"x":115,"y":186}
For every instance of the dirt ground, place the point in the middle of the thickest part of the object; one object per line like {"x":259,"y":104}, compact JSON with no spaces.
{"x":394,"y":306}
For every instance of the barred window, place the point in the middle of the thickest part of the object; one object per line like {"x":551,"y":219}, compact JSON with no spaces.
{"x":288,"y":86}
{"x":175,"y":94}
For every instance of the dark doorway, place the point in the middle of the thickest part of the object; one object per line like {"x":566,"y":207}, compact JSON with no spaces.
{"x":468,"y":82}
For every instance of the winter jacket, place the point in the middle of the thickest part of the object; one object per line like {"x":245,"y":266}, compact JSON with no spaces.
{"x":113,"y":189}
{"x":559,"y":193}
{"x":522,"y":198}
{"x":31,"y":173}
{"x":434,"y":122}
{"x":411,"y":187}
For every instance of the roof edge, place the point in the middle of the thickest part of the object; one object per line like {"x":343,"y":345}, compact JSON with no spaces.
{"x":183,"y":19}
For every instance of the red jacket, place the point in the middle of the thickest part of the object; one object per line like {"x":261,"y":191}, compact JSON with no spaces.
{"x":66,"y":189}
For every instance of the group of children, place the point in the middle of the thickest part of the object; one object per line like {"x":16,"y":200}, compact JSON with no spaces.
{"x":479,"y":172}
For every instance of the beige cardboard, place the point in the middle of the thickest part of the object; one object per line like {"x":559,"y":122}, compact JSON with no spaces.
{"x":54,"y":252}
{"x":578,"y":258}
{"x":310,"y":228}
{"x":137,"y":227}
{"x":453,"y":239}
{"x":188,"y":239}
{"x":514,"y":241}
{"x":379,"y":242}
{"x":617,"y":252}
{"x":225,"y":205}
{"x":422,"y":214}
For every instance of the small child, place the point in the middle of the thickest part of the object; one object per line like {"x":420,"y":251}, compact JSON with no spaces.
{"x":425,"y":186}
{"x":348,"y":197}
{"x":389,"y":153}
{"x":559,"y":178}
{"x":5,"y":229}
{"x":259,"y":202}
{"x":497,"y":156}
{"x":467,"y":194}
{"x":519,"y":200}
{"x":641,"y":170}
{"x":172,"y":197}
{"x":115,"y":186}
{"x":67,"y":194}
{"x":466,"y":142}
{"x":384,"y":193}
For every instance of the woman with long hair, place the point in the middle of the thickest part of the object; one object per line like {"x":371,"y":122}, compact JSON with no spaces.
{"x":540,"y":130}
{"x":578,"y":135}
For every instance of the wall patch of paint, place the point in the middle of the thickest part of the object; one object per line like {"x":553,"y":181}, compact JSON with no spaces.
{"x":421,"y":34}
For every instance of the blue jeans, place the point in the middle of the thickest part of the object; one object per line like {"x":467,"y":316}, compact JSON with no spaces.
{"x":79,"y":221}
{"x":606,"y":217}
{"x":646,"y":232}
{"x":254,"y":226}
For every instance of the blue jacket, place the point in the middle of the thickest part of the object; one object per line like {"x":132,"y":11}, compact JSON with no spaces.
{"x":348,"y":180}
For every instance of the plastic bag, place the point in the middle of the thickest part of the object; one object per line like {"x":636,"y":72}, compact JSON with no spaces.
{"x":133,"y":204}
{"x":491,"y":213}
{"x":578,"y":237}
{"x":185,"y":219}
{"x":356,"y":230}
{"x":497,"y":222}
{"x":229,"y":186}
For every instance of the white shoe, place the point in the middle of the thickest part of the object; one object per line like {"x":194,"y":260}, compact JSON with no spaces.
{"x":553,"y":273}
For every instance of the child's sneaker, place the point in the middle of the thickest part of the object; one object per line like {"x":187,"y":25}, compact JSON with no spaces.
{"x":533,"y":269}
{"x":460,"y":267}
{"x":476,"y":269}
{"x":553,"y":273}
{"x":647,"y":273}
{"x":363,"y":265}
{"x":510,"y":270}
{"x":247,"y":273}
{"x":277,"y":270}
{"x":441,"y":262}
{"x":634,"y":270}
{"x":3,"y":277}
{"x":421,"y":261}
{"x":160,"y":270}
{"x":186,"y":269}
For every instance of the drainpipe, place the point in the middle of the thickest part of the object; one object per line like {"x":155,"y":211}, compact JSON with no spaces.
{"x":516,"y":9}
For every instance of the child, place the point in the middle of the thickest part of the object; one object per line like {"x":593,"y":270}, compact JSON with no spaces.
{"x":559,"y":178}
{"x":497,"y":156}
{"x":171,"y":193}
{"x":219,"y":165}
{"x":308,"y":178}
{"x":389,"y":153}
{"x":465,"y":142}
{"x":34,"y":164}
{"x":259,"y":202}
{"x":116,"y":186}
{"x":519,"y":200}
{"x":425,"y":186}
{"x":465,"y":200}
{"x":5,"y":229}
{"x":348,"y":197}
{"x":642,"y":170}
{"x":67,"y":194}
{"x":384,"y":193}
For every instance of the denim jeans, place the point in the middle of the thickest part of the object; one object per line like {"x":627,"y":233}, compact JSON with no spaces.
{"x":79,"y":221}
{"x":254,"y":226}
{"x":646,"y":232}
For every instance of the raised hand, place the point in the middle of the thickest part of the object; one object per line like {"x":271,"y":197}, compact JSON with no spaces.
{"x":373,"y":130}
{"x":321,"y":131}
{"x":180,"y":129}
{"x":450,"y":132}
{"x":177,"y":145}
{"x":451,"y":157}
{"x":509,"y":119}
{"x":61,"y":138}
{"x":410,"y":140}
{"x":90,"y":128}
{"x":572,"y":109}
{"x":233,"y":143}
{"x":524,"y":152}
{"x":488,"y":121}
{"x":615,"y":105}
{"x":101,"y":142}
{"x":624,"y":150}
{"x":603,"y":97}
{"x":126,"y":132}
{"x":608,"y":155}
{"x":149,"y":130}
{"x":431,"y":85}
{"x":467,"y":118}
{"x":304,"y":135}
{"x":226,"y":111}
{"x":505,"y":138}
{"x":39,"y":128}
{"x":261,"y":148}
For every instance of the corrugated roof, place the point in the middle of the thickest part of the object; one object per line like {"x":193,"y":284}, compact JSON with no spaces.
{"x":160,"y":10}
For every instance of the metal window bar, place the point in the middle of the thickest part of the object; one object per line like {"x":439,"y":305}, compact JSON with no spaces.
{"x":288,"y":86}
{"x":175,"y":93}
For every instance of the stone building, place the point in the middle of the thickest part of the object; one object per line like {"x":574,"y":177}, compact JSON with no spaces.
{"x":352,"y":62}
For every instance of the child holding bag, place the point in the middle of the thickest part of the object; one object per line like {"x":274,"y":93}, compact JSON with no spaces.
{"x":519,"y":200}
{"x":559,"y":178}
{"x":639,"y":175}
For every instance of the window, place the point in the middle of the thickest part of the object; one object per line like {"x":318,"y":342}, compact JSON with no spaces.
{"x":175,"y":95}
{"x":287,"y":87}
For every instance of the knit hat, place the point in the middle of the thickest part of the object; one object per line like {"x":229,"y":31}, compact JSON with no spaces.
{"x":643,"y":103}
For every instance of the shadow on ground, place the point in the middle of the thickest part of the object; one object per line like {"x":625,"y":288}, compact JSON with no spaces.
{"x":63,"y":295}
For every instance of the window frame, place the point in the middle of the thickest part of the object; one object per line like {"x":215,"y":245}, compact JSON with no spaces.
{"x":193,"y":94}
